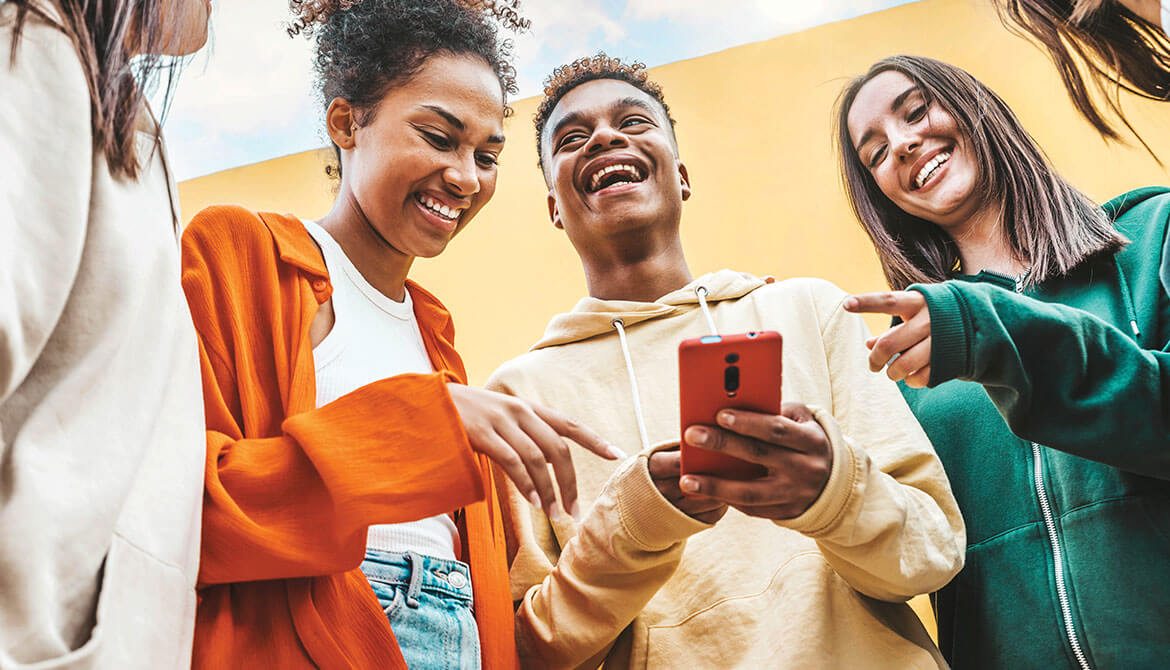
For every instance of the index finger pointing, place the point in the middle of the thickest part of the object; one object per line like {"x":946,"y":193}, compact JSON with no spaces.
{"x":578,"y":433}
{"x":894,"y":303}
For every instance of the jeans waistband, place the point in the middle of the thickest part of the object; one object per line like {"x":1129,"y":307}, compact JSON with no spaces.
{"x":419,"y":572}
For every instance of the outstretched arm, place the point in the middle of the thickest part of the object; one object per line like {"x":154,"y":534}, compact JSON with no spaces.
{"x":1060,"y":376}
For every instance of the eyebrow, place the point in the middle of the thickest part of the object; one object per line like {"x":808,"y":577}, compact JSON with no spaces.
{"x":575,"y":117}
{"x":867,"y":135}
{"x":458,"y":123}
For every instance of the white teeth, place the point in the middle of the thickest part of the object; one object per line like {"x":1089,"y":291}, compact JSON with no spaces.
{"x":438,"y":208}
{"x":930,"y":167}
{"x":595,"y":181}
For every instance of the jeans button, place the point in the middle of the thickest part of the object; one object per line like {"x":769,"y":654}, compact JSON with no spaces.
{"x":457,"y":580}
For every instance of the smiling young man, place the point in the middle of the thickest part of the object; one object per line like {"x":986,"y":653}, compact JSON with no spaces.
{"x":808,"y":566}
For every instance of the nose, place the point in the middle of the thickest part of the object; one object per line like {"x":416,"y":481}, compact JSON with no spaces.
{"x":462,"y":176}
{"x":904,"y":143}
{"x":605,"y":137}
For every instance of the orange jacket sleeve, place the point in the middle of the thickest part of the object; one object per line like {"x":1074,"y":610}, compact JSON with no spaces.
{"x":298,"y":501}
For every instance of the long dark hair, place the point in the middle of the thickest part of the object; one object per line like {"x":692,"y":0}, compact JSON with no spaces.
{"x":118,"y":43}
{"x":365,"y":47}
{"x":1045,"y":221}
{"x":1097,"y":41}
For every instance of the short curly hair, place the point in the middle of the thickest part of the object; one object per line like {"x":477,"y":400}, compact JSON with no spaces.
{"x":590,"y":68}
{"x":365,"y":47}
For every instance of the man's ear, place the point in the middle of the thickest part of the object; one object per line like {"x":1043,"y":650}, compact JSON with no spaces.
{"x":686,"y":181}
{"x":554,"y":212}
{"x":340,"y":123}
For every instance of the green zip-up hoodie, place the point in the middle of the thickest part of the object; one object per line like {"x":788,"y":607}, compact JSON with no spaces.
{"x":1059,"y":455}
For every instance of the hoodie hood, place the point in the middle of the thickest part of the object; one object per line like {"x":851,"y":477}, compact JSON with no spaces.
{"x":1118,"y":206}
{"x":592,"y":317}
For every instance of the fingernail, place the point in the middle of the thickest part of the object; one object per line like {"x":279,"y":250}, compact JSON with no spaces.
{"x":726,"y":419}
{"x":575,"y":511}
{"x":534,"y":499}
{"x":850,"y":303}
{"x":617,"y":453}
{"x":697,"y":436}
{"x":688,"y":484}
{"x":554,"y":512}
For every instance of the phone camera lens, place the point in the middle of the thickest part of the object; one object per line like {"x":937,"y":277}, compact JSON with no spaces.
{"x":732,"y":358}
{"x":731,"y":379}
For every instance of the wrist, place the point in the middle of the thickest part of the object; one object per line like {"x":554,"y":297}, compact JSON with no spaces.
{"x":647,"y":517}
{"x":950,"y":332}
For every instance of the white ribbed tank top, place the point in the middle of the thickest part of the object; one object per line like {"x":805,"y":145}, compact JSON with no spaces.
{"x":355,"y":353}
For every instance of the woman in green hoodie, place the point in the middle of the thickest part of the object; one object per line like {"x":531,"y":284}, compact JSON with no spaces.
{"x":1033,"y":349}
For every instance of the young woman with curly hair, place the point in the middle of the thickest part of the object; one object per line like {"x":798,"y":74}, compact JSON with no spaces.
{"x":1033,"y":350}
{"x":350,"y":520}
{"x":100,"y":419}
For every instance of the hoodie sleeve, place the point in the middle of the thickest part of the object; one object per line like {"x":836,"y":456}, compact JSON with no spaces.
{"x":1060,"y":376}
{"x":886,"y":520}
{"x":573,"y":602}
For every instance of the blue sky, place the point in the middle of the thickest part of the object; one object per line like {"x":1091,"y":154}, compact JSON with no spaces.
{"x":248,"y":96}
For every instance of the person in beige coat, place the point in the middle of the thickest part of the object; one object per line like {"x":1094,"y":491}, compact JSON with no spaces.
{"x":809,"y":566}
{"x":101,"y":421}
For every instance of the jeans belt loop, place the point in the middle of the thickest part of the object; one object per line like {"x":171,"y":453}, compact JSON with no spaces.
{"x":415,"y":585}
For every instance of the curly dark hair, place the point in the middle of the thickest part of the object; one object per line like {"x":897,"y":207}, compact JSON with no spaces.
{"x":589,"y":68}
{"x":365,"y":47}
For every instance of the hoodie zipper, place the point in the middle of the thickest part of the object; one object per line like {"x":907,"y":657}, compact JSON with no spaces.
{"x":1070,"y":630}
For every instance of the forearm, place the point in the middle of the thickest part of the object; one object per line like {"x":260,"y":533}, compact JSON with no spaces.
{"x":624,"y":551}
{"x":300,"y":504}
{"x":890,"y":540}
{"x":1059,"y":376}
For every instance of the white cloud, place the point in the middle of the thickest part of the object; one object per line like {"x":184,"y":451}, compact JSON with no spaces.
{"x":560,"y":32}
{"x":250,"y":89}
{"x":250,"y":96}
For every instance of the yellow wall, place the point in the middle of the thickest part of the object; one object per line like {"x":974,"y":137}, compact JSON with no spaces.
{"x":754,"y":130}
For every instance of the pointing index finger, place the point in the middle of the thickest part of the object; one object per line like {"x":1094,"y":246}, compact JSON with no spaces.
{"x":579,"y":433}
{"x":894,"y":303}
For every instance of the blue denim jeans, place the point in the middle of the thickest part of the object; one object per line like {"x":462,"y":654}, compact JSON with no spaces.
{"x":428,"y":603}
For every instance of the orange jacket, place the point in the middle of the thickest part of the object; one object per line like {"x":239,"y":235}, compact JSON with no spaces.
{"x":291,"y":489}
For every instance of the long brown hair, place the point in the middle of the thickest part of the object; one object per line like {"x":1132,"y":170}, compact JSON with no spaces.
{"x":1045,"y":221}
{"x":1098,"y":41}
{"x":117,"y":42}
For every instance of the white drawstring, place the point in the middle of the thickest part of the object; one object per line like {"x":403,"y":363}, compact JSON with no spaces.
{"x":701,"y":291}
{"x":620,"y":325}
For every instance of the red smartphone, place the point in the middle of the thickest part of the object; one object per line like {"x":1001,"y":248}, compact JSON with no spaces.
{"x":719,"y":372}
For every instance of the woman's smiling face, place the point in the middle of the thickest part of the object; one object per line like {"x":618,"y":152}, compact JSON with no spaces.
{"x":426,"y":162}
{"x":916,"y":152}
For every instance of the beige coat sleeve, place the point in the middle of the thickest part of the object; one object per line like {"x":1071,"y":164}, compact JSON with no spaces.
{"x":573,"y":602}
{"x":886,"y":521}
{"x":45,"y":177}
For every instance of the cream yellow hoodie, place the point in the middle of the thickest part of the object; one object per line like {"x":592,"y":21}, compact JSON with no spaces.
{"x":638,"y":584}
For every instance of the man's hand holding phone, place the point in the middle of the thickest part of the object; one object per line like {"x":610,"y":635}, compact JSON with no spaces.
{"x":664,"y":472}
{"x":791,"y":446}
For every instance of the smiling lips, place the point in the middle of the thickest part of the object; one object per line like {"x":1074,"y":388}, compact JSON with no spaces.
{"x":439,"y":209}
{"x":614,"y":175}
{"x":929,"y":169}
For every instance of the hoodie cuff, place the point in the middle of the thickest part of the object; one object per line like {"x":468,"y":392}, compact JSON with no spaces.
{"x":828,"y":508}
{"x":950,"y":332}
{"x":649,"y":519}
